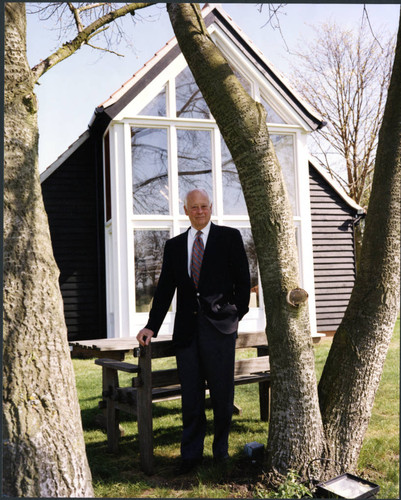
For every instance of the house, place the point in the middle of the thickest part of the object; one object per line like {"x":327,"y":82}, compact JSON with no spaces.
{"x":115,"y":196}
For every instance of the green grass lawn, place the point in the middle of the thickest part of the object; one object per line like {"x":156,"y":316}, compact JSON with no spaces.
{"x":119,"y":476}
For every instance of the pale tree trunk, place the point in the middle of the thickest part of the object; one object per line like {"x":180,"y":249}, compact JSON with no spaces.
{"x":353,"y":369}
{"x":295,"y":430}
{"x":43,"y":451}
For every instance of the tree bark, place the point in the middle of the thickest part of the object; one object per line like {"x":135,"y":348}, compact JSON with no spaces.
{"x":295,"y":430}
{"x":353,"y":369}
{"x":43,"y":451}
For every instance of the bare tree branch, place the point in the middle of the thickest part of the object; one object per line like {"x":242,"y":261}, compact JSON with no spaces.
{"x":75,"y":13}
{"x":273,"y":19}
{"x":83,"y":37}
{"x":365,"y":15}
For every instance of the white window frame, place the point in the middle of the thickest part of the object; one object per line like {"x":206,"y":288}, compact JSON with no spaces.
{"x":122,"y":319}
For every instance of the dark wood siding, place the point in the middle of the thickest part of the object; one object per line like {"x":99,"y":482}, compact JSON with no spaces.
{"x":73,"y":197}
{"x":333,"y":251}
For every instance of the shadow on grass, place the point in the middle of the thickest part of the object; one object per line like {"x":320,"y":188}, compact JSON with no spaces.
{"x":120,"y":474}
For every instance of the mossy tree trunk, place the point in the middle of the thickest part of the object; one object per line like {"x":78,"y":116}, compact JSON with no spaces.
{"x":43,"y":451}
{"x":295,"y":430}
{"x":353,"y":369}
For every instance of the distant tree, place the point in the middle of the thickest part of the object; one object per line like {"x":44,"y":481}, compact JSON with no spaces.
{"x":344,"y":75}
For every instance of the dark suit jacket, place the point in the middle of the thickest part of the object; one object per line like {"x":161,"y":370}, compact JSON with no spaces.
{"x":224,"y":280}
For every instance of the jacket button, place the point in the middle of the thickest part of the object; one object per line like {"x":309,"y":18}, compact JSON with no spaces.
{"x":195,"y":312}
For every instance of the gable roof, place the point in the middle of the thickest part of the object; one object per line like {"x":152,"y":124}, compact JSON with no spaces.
{"x":213,"y":15}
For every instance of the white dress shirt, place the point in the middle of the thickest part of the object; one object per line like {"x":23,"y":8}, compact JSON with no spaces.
{"x":191,"y":238}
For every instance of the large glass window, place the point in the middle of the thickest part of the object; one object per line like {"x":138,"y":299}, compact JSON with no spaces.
{"x":194,"y":162}
{"x":148,"y":249}
{"x":284,"y":147}
{"x":150,"y":171}
{"x":272,"y":116}
{"x":178,"y":156}
{"x":233,"y":197}
{"x":157,"y":106}
{"x":190,"y":102}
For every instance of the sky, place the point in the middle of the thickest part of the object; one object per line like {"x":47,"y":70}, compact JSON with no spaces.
{"x":69,"y":93}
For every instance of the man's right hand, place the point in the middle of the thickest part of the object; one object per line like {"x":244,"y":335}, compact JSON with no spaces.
{"x":144,"y":336}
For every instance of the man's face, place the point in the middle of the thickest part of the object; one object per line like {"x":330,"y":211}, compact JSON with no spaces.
{"x":198,"y":209}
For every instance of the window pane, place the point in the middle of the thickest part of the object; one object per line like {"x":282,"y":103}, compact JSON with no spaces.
{"x":148,"y":247}
{"x":233,"y":197}
{"x":190,"y":102}
{"x":284,"y":147}
{"x":272,"y":116}
{"x":194,"y":162}
{"x":156,"y":107}
{"x":150,"y":171}
{"x":246,"y":234}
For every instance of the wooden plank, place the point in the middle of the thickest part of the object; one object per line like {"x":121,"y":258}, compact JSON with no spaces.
{"x":327,"y":291}
{"x":333,"y":252}
{"x":338,"y":303}
{"x":331,"y":308}
{"x":110,"y":384}
{"x":166,"y":393}
{"x":144,"y":411}
{"x":328,"y":325}
{"x":317,"y":218}
{"x":318,"y":266}
{"x":332,"y":316}
{"x":335,"y":281}
{"x":335,"y":273}
{"x":117,"y":365}
{"x":162,"y":378}
{"x":343,"y":247}
{"x":251,"y":365}
{"x":162,"y":349}
{"x":250,"y":379}
{"x":255,"y":339}
{"x":319,"y":225}
{"x":339,"y":260}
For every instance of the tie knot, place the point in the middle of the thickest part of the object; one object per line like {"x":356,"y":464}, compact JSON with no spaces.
{"x":199,"y":233}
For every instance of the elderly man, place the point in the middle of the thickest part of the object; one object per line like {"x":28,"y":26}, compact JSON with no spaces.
{"x":208,"y":267}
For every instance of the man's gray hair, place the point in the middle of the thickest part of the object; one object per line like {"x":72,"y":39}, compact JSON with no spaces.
{"x":205,"y":193}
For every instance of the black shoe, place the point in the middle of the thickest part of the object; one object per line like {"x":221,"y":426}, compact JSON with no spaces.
{"x":221,"y":460}
{"x":221,"y":463}
{"x":188,"y":465}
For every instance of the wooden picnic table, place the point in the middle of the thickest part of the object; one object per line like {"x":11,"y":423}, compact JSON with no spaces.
{"x":109,"y":348}
{"x":150,"y":385}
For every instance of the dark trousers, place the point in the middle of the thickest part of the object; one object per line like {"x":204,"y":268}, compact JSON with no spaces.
{"x":209,"y":358}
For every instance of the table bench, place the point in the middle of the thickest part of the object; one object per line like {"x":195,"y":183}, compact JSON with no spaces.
{"x":150,"y":385}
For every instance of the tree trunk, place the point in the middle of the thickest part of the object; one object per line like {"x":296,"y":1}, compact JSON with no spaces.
{"x":43,"y":451}
{"x":353,"y":369}
{"x":295,"y":430}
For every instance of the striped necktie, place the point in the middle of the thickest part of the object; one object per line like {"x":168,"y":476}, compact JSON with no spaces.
{"x":197,"y":256}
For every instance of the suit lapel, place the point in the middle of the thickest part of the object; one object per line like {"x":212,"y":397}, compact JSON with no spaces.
{"x":183,"y":255}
